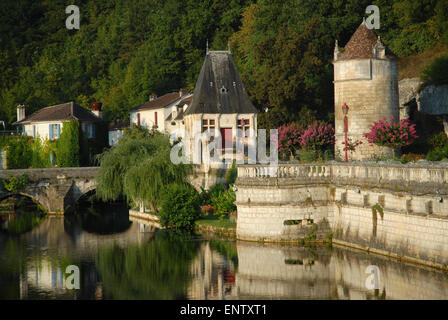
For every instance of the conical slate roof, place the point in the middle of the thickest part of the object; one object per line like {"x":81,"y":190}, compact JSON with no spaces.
{"x":361,"y":44}
{"x":219,"y":88}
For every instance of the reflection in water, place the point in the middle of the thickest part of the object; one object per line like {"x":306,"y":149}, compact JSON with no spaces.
{"x":159,"y":269}
{"x":19,"y":214}
{"x":143,"y":263}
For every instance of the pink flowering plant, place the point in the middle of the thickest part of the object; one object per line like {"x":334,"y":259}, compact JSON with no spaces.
{"x":392,"y":133}
{"x":317,"y":137}
{"x":351,"y":145}
{"x":289,"y":139}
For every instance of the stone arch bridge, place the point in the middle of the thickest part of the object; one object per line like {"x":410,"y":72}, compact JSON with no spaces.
{"x":56,"y":189}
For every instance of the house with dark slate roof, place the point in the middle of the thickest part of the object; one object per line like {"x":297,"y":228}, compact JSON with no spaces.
{"x":219,"y":105}
{"x":47,"y":123}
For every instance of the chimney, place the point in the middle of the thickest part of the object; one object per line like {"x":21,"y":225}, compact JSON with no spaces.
{"x":152,"y":97}
{"x":20,"y":112}
{"x":97,"y":109}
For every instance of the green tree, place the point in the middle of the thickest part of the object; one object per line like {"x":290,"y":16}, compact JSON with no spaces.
{"x":180,"y":207}
{"x":140,"y":168}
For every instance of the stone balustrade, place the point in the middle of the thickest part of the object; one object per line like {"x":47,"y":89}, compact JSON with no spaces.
{"x":419,"y":178}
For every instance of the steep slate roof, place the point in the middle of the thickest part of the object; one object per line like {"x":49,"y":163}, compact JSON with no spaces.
{"x":219,"y":72}
{"x":361,"y":44}
{"x":62,"y":112}
{"x":158,"y":103}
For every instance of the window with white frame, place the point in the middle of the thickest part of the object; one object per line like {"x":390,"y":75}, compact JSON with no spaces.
{"x":54,"y":131}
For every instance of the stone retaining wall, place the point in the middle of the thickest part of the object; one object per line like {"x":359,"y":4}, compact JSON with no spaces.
{"x":396,"y":209}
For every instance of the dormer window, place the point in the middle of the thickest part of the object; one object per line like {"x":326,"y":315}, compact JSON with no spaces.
{"x":223,"y":90}
{"x":211,"y":84}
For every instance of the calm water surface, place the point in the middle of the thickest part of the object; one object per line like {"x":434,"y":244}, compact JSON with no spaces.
{"x":123,"y":259}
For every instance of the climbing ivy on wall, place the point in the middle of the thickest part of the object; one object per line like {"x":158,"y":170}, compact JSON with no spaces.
{"x":18,"y":151}
{"x":68,"y":145}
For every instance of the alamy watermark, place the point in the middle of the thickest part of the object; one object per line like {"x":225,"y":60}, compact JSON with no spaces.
{"x":72,"y":21}
{"x":373,"y":21}
{"x":373,"y":280}
{"x":72,"y":282}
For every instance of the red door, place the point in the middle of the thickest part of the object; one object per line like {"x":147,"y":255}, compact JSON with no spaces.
{"x":227,"y":139}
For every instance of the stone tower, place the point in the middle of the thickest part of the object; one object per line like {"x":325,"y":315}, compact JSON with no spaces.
{"x":366,"y":79}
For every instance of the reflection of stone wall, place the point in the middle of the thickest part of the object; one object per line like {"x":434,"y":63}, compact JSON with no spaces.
{"x":290,"y":272}
{"x":275,"y":272}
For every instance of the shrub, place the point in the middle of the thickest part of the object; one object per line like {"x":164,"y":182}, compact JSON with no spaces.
{"x":438,"y":140}
{"x":289,"y":139}
{"x":317,"y":137}
{"x":439,"y":144}
{"x":180,"y":207}
{"x":223,"y":201}
{"x":438,"y":153}
{"x":437,"y":72}
{"x":18,"y":152}
{"x":391,"y":134}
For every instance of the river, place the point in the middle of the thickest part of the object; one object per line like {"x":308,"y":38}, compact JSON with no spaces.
{"x":119,"y":258}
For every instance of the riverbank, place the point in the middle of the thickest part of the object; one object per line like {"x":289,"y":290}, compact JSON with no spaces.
{"x":213,"y":225}
{"x":149,"y":217}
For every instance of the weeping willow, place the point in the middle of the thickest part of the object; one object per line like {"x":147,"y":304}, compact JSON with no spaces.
{"x":139,"y":167}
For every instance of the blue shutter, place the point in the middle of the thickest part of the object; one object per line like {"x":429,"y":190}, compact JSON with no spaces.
{"x":59,"y":131}
{"x":34,"y":131}
{"x":51,"y":131}
{"x":93,"y":130}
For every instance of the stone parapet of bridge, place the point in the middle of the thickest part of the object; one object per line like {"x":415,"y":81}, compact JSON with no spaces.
{"x":56,"y":189}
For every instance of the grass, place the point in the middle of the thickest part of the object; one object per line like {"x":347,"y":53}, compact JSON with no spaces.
{"x":214,"y":221}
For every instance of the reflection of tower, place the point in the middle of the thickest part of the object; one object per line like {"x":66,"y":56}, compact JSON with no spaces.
{"x":366,"y":79}
{"x":212,"y":276}
{"x":282,"y":272}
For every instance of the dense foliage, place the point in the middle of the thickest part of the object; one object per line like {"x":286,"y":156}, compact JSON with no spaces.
{"x":289,"y":139}
{"x":439,"y":147}
{"x":180,"y":207}
{"x":18,"y":151}
{"x":220,"y":199}
{"x":140,"y":168}
{"x":436,"y":73}
{"x":126,"y":49}
{"x":16,"y":184}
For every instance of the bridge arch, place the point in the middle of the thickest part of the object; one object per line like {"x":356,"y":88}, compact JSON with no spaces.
{"x":55,"y":189}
